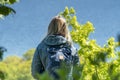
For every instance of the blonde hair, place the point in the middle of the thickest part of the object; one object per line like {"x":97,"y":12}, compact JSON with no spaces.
{"x":59,"y":26}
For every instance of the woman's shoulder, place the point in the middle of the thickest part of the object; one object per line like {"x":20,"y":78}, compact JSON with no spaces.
{"x":41,"y":45}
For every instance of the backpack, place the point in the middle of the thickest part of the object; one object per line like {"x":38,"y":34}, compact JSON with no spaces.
{"x":57,"y":56}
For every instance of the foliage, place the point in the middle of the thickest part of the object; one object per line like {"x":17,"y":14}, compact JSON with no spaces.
{"x":29,"y":54}
{"x":16,"y":68}
{"x":5,"y":9}
{"x":2,"y":50}
{"x":99,"y":63}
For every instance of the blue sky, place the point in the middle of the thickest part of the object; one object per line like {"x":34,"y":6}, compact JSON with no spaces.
{"x":25,"y":29}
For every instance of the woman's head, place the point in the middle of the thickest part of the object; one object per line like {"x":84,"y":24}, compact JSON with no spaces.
{"x":58,"y":26}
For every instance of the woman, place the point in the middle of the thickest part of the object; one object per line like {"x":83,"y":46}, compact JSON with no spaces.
{"x":58,"y":34}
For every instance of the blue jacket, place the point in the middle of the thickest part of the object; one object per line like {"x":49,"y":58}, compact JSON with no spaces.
{"x":39,"y":62}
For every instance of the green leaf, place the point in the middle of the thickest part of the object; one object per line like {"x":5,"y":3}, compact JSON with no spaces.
{"x":5,"y":10}
{"x":72,"y":11}
{"x":12,"y":1}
